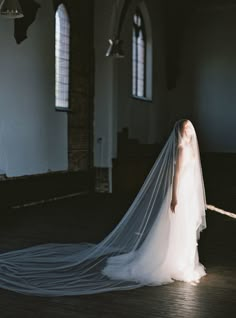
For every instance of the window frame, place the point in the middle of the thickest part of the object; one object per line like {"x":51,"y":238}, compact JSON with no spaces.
{"x":148,"y":73}
{"x":58,"y":58}
{"x":135,"y":63}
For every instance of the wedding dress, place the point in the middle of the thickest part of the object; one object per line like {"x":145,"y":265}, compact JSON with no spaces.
{"x":151,"y":245}
{"x":170,"y":249}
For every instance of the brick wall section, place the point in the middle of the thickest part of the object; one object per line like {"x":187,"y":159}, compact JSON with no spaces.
{"x":80,"y":117}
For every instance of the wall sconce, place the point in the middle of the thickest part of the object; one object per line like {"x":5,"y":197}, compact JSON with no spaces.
{"x":115,"y":48}
{"x":11,"y":9}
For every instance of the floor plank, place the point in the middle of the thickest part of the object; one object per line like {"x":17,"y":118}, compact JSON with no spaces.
{"x":82,"y":219}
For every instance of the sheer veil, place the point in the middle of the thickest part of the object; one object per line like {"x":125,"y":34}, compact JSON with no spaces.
{"x":76,"y":269}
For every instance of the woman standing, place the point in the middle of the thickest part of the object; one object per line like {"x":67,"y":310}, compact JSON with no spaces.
{"x":170,"y":248}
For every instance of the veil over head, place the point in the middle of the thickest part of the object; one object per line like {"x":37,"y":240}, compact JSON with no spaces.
{"x":76,"y":269}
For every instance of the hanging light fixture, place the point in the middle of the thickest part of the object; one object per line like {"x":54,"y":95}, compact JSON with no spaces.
{"x":11,"y":9}
{"x":115,"y":48}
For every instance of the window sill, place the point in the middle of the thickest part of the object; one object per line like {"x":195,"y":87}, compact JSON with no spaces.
{"x":63,"y":110}
{"x":142,"y":99}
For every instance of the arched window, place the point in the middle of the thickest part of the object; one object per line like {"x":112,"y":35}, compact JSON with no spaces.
{"x":62,"y":56}
{"x":139,"y":55}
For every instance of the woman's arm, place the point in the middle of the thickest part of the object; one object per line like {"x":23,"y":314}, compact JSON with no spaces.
{"x":176,"y":178}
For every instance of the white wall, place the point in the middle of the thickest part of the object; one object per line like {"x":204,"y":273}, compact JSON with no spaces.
{"x":206,"y":89}
{"x":33,"y":136}
{"x":144,"y":119}
{"x":115,"y":108}
{"x":104,"y":86}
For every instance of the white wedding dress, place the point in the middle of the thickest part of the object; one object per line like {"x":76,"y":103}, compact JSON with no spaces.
{"x":170,"y":249}
{"x":149,"y":246}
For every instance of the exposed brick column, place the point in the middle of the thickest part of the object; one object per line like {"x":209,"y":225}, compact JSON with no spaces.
{"x":80,"y":117}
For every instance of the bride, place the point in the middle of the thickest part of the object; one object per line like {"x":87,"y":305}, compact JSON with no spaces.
{"x":155,"y":242}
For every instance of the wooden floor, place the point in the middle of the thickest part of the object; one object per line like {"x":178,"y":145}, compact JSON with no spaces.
{"x":90,"y":218}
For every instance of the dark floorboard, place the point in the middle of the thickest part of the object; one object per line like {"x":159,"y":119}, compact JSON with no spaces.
{"x":90,"y":219}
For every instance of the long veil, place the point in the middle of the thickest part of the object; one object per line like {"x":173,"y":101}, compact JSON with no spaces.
{"x":76,"y":269}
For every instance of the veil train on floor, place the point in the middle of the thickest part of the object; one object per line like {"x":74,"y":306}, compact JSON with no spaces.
{"x":76,"y":269}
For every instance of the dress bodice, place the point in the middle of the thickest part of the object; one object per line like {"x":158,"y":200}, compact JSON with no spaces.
{"x":188,"y":158}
